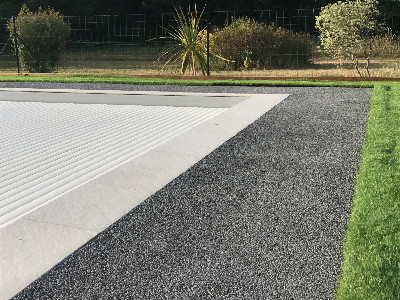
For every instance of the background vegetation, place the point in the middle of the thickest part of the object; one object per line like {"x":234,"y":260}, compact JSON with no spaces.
{"x":345,"y":26}
{"x":119,"y":46}
{"x":252,"y":45}
{"x":43,"y":38}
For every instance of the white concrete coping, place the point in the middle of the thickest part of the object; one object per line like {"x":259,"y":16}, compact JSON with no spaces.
{"x":120,"y":92}
{"x":206,"y":100}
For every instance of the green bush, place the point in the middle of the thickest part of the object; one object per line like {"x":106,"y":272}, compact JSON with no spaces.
{"x":44,"y":34}
{"x":344,"y":27}
{"x":252,"y":45}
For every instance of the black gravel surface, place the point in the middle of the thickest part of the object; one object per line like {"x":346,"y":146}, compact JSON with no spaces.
{"x":263,"y":216}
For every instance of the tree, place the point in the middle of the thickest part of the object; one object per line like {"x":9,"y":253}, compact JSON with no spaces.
{"x":345,"y":25}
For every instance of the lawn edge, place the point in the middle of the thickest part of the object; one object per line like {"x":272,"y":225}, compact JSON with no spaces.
{"x":371,"y":260}
{"x":185,"y":82}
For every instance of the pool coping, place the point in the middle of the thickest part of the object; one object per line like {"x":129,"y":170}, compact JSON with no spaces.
{"x":121,"y":92}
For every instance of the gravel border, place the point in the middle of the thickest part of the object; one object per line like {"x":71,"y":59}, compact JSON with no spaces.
{"x":263,"y":216}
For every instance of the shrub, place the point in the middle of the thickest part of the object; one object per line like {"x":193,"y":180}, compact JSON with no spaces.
{"x":44,"y":34}
{"x":345,"y":25}
{"x":252,"y":45}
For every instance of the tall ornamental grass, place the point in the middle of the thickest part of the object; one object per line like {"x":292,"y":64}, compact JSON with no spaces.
{"x":384,"y":46}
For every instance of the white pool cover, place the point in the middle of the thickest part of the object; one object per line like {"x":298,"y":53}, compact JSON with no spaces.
{"x":49,"y":149}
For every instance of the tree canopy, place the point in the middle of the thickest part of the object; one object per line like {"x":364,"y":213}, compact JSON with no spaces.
{"x":343,"y":26}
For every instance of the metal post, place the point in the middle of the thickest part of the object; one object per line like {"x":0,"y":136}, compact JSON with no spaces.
{"x":16,"y":45}
{"x":162,"y":25}
{"x":208,"y":42}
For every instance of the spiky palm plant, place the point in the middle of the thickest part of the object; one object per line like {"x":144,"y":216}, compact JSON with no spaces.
{"x":188,"y":47}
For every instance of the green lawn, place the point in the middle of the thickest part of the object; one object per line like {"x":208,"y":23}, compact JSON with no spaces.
{"x":161,"y":81}
{"x":371,"y":267}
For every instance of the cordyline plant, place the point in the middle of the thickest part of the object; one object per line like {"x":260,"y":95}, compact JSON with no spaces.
{"x":189,"y":47}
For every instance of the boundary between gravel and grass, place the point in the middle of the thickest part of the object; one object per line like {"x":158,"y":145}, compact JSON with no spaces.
{"x":371,"y":267}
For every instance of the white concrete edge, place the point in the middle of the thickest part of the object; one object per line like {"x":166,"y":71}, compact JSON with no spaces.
{"x":120,"y":92}
{"x":35,"y":243}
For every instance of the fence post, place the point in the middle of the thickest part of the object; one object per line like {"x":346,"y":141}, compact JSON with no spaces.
{"x":16,"y":45}
{"x":208,"y":42}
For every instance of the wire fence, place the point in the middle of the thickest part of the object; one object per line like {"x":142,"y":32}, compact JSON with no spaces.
{"x":131,"y":28}
{"x":129,"y":44}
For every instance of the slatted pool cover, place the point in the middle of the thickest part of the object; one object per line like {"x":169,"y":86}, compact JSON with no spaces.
{"x":48,"y":149}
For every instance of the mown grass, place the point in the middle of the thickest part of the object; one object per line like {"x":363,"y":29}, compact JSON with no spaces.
{"x":166,"y":81}
{"x":371,"y":267}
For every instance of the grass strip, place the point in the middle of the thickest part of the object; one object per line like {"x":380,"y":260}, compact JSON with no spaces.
{"x":371,"y":267}
{"x":162,"y":81}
